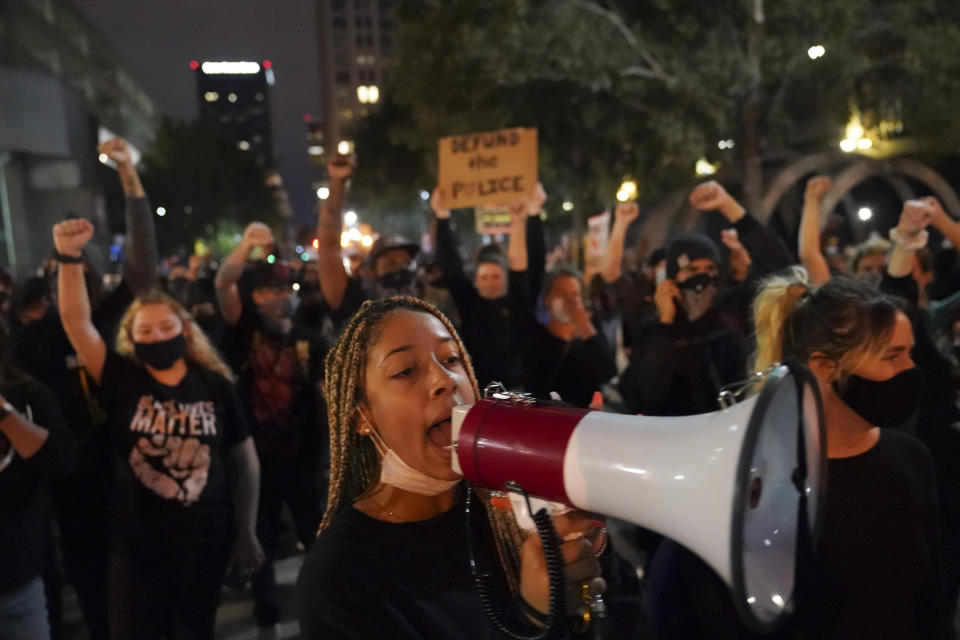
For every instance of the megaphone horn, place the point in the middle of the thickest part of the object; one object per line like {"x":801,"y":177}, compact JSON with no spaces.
{"x":729,"y":485}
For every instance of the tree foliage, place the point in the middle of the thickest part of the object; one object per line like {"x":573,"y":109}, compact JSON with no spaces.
{"x":207,"y":185}
{"x":646,"y":87}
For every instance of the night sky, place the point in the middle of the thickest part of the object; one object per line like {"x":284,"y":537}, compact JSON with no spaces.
{"x":157,"y":40}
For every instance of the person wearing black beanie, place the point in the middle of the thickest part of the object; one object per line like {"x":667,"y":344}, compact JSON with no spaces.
{"x":696,"y":341}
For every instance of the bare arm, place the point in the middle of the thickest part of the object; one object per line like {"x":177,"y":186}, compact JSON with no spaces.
{"x":910,"y":235}
{"x":25,"y":437}
{"x":811,"y":254}
{"x":247,"y":555}
{"x":333,"y":275}
{"x":256,"y":234}
{"x":517,"y":248}
{"x":69,"y":238}
{"x":624,"y":215}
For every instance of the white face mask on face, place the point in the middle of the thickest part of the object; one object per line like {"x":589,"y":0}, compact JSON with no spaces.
{"x":397,"y":473}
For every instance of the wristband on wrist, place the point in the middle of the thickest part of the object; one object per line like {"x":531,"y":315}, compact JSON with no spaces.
{"x":910,"y":243}
{"x":65,"y":259}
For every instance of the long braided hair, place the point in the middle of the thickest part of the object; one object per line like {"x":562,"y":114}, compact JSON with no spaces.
{"x":354,"y":461}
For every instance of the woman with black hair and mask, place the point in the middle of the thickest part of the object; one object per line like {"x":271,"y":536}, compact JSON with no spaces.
{"x":175,"y":423}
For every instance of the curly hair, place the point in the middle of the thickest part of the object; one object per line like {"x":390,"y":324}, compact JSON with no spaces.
{"x":199,"y":350}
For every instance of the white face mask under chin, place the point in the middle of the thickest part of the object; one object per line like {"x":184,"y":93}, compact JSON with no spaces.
{"x":397,"y":473}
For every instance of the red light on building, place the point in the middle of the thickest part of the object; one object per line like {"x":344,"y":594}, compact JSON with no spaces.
{"x":194,"y":65}
{"x":307,"y":117}
{"x":267,"y":64}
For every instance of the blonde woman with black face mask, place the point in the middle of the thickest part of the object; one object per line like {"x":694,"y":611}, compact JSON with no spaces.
{"x":391,"y":559}
{"x":877,"y":571}
{"x":176,"y":426}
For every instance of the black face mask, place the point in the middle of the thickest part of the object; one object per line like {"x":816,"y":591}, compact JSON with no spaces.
{"x":402,"y":282}
{"x":161,"y":355}
{"x":883,"y":403}
{"x":697,"y":294}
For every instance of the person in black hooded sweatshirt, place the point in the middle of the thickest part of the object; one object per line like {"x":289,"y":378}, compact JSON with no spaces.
{"x":697,"y":342}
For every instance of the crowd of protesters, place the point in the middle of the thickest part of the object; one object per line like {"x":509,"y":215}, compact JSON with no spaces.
{"x":151,"y":434}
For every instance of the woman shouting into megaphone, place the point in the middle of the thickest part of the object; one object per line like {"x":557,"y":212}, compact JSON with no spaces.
{"x":393,"y":554}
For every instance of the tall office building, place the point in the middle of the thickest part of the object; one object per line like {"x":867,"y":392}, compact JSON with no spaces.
{"x":63,"y":89}
{"x":355,"y":42}
{"x":235,"y":98}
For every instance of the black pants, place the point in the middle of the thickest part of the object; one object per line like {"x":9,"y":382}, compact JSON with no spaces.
{"x":282,"y":481}
{"x":167,"y":588}
{"x":81,"y":501}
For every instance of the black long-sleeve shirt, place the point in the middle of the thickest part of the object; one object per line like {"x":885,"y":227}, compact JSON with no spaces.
{"x":24,"y":508}
{"x":575,"y":369}
{"x":679,"y":368}
{"x":487,"y":328}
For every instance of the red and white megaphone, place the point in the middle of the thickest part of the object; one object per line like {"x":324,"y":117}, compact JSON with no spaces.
{"x":728,"y":485}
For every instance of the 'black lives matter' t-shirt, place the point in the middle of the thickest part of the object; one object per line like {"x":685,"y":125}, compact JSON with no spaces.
{"x":170,"y":443}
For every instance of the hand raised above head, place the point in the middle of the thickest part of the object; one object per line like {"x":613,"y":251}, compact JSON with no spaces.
{"x":71,"y":236}
{"x":816,"y":187}
{"x":257,"y":234}
{"x":116,"y":149}
{"x":341,"y":166}
{"x":438,"y":202}
{"x":626,"y":212}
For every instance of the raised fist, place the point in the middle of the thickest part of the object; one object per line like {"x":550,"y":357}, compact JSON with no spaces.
{"x":116,"y":149}
{"x":626,"y":212}
{"x":174,"y":468}
{"x":710,"y":196}
{"x":518,"y":212}
{"x":257,"y":234}
{"x":740,"y":260}
{"x":341,"y":166}
{"x":71,"y":236}
{"x":438,"y":202}
{"x":915,"y":217}
{"x":816,"y":187}
{"x":535,"y":202}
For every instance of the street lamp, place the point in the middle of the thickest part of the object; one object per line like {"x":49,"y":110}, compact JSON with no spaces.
{"x":816,"y":51}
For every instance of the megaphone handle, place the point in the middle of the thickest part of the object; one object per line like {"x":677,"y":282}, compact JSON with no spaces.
{"x":554,"y":627}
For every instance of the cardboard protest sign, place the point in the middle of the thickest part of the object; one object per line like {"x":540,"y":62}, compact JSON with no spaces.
{"x":598,"y":233}
{"x":492,"y":220}
{"x":488,"y":168}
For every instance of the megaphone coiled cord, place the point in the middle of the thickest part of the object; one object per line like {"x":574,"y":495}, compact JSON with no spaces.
{"x":554,"y":628}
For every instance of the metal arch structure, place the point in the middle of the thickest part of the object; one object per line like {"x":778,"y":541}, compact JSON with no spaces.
{"x":787,"y":177}
{"x":892,"y":169}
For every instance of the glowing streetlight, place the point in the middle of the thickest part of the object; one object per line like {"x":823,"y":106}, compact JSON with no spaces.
{"x":704,"y":168}
{"x":343,"y":147}
{"x":323,"y":193}
{"x":723,"y":145}
{"x":424,"y":195}
{"x":627,"y":191}
{"x":350,"y":218}
{"x":816,"y":51}
{"x":161,"y":211}
{"x":567,"y":205}
{"x":344,"y":240}
{"x":104,"y":158}
{"x":367,"y":241}
{"x":865,"y":213}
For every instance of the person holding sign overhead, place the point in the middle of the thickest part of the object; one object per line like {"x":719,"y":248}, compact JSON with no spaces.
{"x":487,"y":304}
